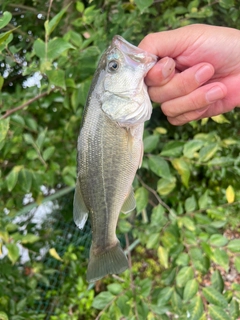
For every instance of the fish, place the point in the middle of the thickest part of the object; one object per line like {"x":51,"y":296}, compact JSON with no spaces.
{"x":110,"y":150}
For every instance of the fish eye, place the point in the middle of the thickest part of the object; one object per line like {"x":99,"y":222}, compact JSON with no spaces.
{"x":113,"y":65}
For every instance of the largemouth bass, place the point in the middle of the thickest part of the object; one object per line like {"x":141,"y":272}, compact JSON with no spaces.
{"x":110,"y":151}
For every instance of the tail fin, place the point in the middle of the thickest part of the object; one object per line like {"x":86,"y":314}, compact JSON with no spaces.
{"x":110,"y":262}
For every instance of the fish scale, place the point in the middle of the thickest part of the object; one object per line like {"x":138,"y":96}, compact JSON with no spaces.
{"x":110,"y":151}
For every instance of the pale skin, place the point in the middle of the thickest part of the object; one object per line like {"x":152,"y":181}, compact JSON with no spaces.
{"x":198,"y":75}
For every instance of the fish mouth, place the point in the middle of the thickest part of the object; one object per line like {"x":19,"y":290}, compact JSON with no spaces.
{"x":134,"y":52}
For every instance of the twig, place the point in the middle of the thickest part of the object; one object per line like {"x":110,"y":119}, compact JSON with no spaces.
{"x":26,"y":8}
{"x":154,"y":193}
{"x":217,"y":207}
{"x":11,"y":111}
{"x":131,"y":275}
{"x":49,"y":9}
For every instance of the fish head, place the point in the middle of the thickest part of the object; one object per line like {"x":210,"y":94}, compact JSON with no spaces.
{"x":125,"y":98}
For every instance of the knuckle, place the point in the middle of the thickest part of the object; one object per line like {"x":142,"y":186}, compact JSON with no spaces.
{"x":184,"y":85}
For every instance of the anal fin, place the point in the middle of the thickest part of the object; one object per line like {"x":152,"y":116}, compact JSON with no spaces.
{"x":129,"y":203}
{"x":80,"y":211}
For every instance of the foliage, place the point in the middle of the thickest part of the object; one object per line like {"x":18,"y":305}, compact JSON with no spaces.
{"x":187,"y":191}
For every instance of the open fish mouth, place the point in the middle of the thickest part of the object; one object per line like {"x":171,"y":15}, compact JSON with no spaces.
{"x":133,"y":52}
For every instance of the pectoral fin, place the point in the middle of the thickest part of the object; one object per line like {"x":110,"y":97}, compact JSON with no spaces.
{"x":80,"y":211}
{"x":130,"y":203}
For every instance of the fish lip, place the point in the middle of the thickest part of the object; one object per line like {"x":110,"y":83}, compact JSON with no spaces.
{"x":134,"y":52}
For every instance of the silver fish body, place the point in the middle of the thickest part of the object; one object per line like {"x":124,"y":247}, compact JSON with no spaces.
{"x":110,"y":151}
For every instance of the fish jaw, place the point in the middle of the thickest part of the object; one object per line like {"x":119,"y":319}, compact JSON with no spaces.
{"x":134,"y":53}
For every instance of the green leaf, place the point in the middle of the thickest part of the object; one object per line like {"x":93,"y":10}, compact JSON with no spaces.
{"x":80,"y":6}
{"x":190,"y":204}
{"x":163,"y":256}
{"x":164,"y":296}
{"x":158,"y":216}
{"x":165,"y":186}
{"x":159,"y":166}
{"x":234,"y":309}
{"x":215,"y":297}
{"x":28,"y":138}
{"x":141,"y":196}
{"x":124,"y":226}
{"x":150,"y":143}
{"x":41,"y":138}
{"x":172,"y":149}
{"x":234,"y":245}
{"x":218,"y":240}
{"x":183,"y":169}
{"x":145,"y":286}
{"x":32,"y":154}
{"x":183,"y":259}
{"x":185,"y":274}
{"x":5,"y":19}
{"x":79,"y":95}
{"x":32,"y":124}
{"x":3,"y":316}
{"x":207,"y":152}
{"x":203,"y":200}
{"x":12,"y":177}
{"x":39,"y":48}
{"x":30,"y":238}
{"x":218,"y":313}
{"x":25,"y":179}
{"x":187,"y":222}
{"x":4,"y":37}
{"x":51,"y":25}
{"x":176,"y":302}
{"x":152,"y":240}
{"x":237,"y":264}
{"x":190,"y":289}
{"x":102,"y":299}
{"x":217,"y":281}
{"x":56,"y":47}
{"x":123,"y":305}
{"x":143,"y":4}
{"x":115,"y":288}
{"x":191,"y":147}
{"x":220,"y":119}
{"x":47,"y":153}
{"x":4,"y":127}
{"x":56,"y":78}
{"x":221,"y":257}
{"x":13,"y":252}
{"x":195,"y":308}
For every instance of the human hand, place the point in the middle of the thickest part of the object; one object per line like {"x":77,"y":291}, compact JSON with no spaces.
{"x":200,"y":74}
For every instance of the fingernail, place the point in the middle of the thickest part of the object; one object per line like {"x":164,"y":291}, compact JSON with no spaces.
{"x":203,"y":74}
{"x":214,"y":94}
{"x":168,"y":67}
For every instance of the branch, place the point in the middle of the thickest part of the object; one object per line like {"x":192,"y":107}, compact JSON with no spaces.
{"x":154,"y":193}
{"x":9,"y":112}
{"x":131,"y":275}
